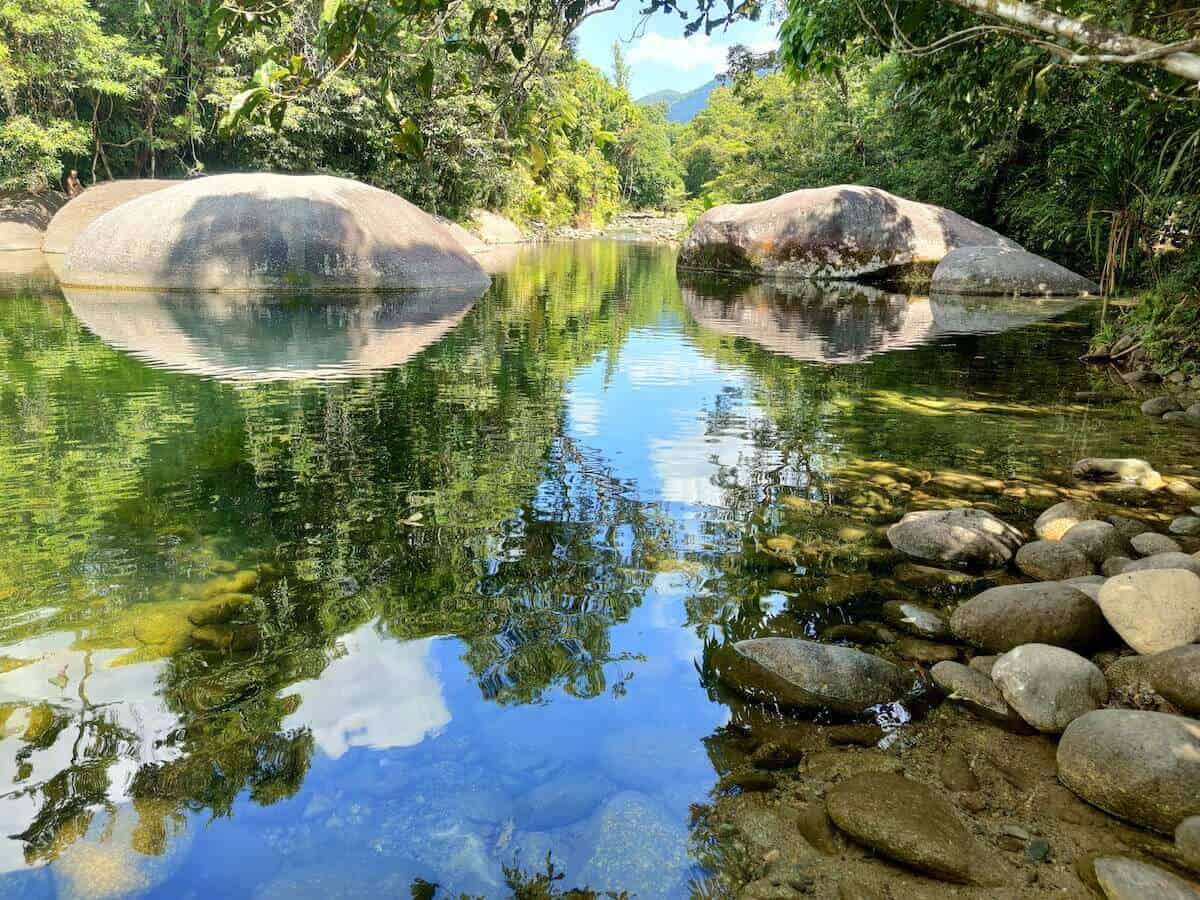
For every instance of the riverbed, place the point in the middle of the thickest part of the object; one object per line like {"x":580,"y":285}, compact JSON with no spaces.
{"x":379,"y":595}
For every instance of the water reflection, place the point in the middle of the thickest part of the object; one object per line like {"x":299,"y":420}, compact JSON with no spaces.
{"x":250,"y":338}
{"x":838,"y":323}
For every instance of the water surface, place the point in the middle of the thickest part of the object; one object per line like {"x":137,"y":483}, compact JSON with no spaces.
{"x":366,"y":595}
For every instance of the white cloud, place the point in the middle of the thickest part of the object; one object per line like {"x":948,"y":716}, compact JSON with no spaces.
{"x":688,"y":54}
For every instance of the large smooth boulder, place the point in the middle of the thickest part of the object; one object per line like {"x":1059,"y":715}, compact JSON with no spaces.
{"x":1148,"y":544}
{"x":24,"y":217}
{"x":811,"y":676}
{"x":1175,"y":675}
{"x":1049,"y":687}
{"x":1096,"y":540}
{"x":1053,"y":561}
{"x":1170,"y":560}
{"x":80,"y":212}
{"x":1056,"y":521}
{"x":963,"y":538}
{"x":908,"y":822}
{"x":1122,"y":878}
{"x":1153,"y":610}
{"x":1050,"y":612}
{"x":1140,"y":766}
{"x":269,"y":232}
{"x":1136,"y":472}
{"x":844,"y":231}
{"x":1006,"y":270}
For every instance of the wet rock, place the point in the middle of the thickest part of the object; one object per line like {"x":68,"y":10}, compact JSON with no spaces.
{"x":912,"y":825}
{"x":1175,"y":675}
{"x":853,"y":891}
{"x":964,"y":538}
{"x":772,"y":756}
{"x":854,"y":735}
{"x":1160,"y":561}
{"x":854,"y":634}
{"x":1140,"y":766}
{"x":1053,"y":561}
{"x":922,"y":651}
{"x":1114,"y":565}
{"x":636,"y":847}
{"x":1122,"y":878}
{"x":1156,"y":406}
{"x":1154,"y":610}
{"x":955,"y":771}
{"x":916,"y":619}
{"x":1045,"y":613}
{"x":1096,"y":540}
{"x":782,"y":882}
{"x":562,"y":799}
{"x":940,"y":581}
{"x":811,"y":676}
{"x":1006,"y":270}
{"x":1129,"y":676}
{"x":1136,"y":472}
{"x":983,"y":663}
{"x":1188,"y":526}
{"x":1149,"y":543}
{"x":749,"y":780}
{"x":972,"y":690}
{"x":1049,"y":687}
{"x":816,"y":828}
{"x":1052,"y":524}
{"x":1128,"y":528}
{"x":1187,"y":842}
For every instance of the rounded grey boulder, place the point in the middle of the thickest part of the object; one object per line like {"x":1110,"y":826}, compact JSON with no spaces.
{"x":258,"y":232}
{"x":1096,"y":540}
{"x":1159,"y":561}
{"x":1140,"y":766}
{"x":1052,"y":524}
{"x":1175,"y":675}
{"x":1153,"y":610}
{"x":1049,"y":687}
{"x":80,"y":212}
{"x":973,"y":690}
{"x":807,"y":675}
{"x":841,"y":231}
{"x":1148,"y":543}
{"x":1187,"y":842}
{"x":1006,"y":270}
{"x":1053,"y":561}
{"x":1156,"y":406}
{"x":1049,"y":612}
{"x":964,"y":538}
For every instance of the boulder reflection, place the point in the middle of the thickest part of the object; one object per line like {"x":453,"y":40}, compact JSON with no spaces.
{"x":844,"y":322}
{"x":261,"y":338}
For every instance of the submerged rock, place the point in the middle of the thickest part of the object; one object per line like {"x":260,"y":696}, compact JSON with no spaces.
{"x":1049,"y":687}
{"x":1135,"y":472}
{"x":1053,"y":561}
{"x":807,"y":675}
{"x":1156,"y":406}
{"x":1154,"y":610}
{"x":1052,"y":524}
{"x":842,"y":231}
{"x":1130,"y":879}
{"x":966,"y":538}
{"x":915,"y":618}
{"x":71,"y":221}
{"x":1006,"y":270}
{"x":636,"y":847}
{"x":1049,"y":612}
{"x":973,"y":690}
{"x":1175,"y":675}
{"x":1140,"y":766}
{"x":269,"y":232}
{"x":912,"y":825}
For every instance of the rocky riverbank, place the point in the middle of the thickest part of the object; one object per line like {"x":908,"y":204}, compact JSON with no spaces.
{"x":1017,"y":715}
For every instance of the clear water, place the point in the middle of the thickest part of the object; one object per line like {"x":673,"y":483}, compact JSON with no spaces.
{"x":361,"y":596}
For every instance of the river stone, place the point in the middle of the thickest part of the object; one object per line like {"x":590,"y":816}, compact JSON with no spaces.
{"x":1188,"y":526}
{"x":1187,"y":842}
{"x":841,"y":231}
{"x":636,"y":846}
{"x":1006,"y":270}
{"x":1048,"y":612}
{"x":1126,"y":527}
{"x":913,"y":825}
{"x":1149,"y":543}
{"x":1175,"y":675}
{"x":1153,"y":611}
{"x":807,"y":675}
{"x":1095,"y":540}
{"x":269,"y":232}
{"x":1114,"y":565}
{"x":1049,"y":687}
{"x":24,"y":217}
{"x":1160,"y":561}
{"x":971,"y":689}
{"x":80,"y":212}
{"x":966,"y":538}
{"x":1140,"y":766}
{"x":494,"y":228}
{"x":1129,"y":879}
{"x":923,"y":621}
{"x":1052,"y":524}
{"x":1053,"y":561}
{"x":1156,"y":406}
{"x":922,"y":651}
{"x":1135,"y":472}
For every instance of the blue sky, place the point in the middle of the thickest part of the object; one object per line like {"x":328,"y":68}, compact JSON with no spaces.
{"x":659,"y":55}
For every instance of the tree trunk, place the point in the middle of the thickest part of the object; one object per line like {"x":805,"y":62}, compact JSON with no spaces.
{"x":1109,"y":45}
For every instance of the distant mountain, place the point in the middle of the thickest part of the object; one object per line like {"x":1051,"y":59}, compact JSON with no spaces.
{"x":682,"y":107}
